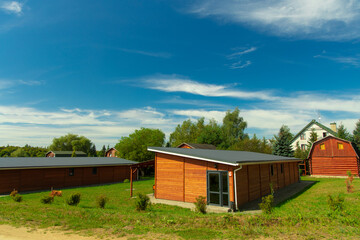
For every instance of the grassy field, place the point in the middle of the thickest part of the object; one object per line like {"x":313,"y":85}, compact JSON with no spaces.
{"x":306,"y":216}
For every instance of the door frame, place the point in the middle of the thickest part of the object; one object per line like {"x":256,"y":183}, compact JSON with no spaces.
{"x":221,"y":192}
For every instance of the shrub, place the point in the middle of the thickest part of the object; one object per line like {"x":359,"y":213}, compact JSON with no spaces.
{"x":101,"y":201}
{"x":336,"y":203}
{"x":74,"y":199}
{"x":126,"y":180}
{"x":142,"y":202}
{"x":267,"y":202}
{"x":200,"y":204}
{"x":47,"y":199}
{"x":17,"y":198}
{"x":13,"y":193}
{"x":349,"y":180}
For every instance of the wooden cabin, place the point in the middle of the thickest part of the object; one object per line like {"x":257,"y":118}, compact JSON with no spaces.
{"x":332,"y":156}
{"x":225,"y":178}
{"x":111,"y":152}
{"x":28,"y":174}
{"x":197,"y":146}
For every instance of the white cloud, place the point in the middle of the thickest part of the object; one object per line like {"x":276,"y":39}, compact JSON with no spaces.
{"x":12,"y":7}
{"x":240,"y":64}
{"x":352,"y":61}
{"x":242,"y":52}
{"x":6,"y":83}
{"x":174,"y":83}
{"x":319,"y":19}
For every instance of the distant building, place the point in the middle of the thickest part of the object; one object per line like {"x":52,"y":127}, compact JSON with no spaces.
{"x":322,"y":131}
{"x":332,"y":156}
{"x":196,"y":146}
{"x":64,"y":154}
{"x":111,"y":152}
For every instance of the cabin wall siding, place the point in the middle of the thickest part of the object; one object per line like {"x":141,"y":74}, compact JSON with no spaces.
{"x":43,"y":179}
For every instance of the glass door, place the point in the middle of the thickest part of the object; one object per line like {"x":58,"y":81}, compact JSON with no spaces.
{"x":218,"y":188}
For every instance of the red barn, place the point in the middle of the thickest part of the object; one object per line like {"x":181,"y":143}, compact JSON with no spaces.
{"x":332,"y":156}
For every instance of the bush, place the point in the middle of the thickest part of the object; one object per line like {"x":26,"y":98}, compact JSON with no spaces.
{"x":17,"y":198}
{"x":336,"y":203}
{"x":142,"y":202}
{"x":101,"y":201}
{"x":126,"y":180}
{"x":267,"y":202}
{"x":47,"y":200}
{"x":200,"y":204}
{"x":13,"y":193}
{"x":74,"y":199}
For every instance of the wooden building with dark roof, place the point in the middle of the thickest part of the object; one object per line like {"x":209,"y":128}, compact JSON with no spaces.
{"x":225,"y":178}
{"x":197,"y":146}
{"x":65,"y":154}
{"x":30,"y":173}
{"x":332,"y":156}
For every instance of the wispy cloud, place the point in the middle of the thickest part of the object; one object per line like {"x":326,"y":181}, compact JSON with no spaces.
{"x":241,"y":52}
{"x":12,"y":7}
{"x":175,"y":83}
{"x":150,"y":54}
{"x":240,"y":64}
{"x":320,"y":19}
{"x":350,"y":60}
{"x":6,"y":83}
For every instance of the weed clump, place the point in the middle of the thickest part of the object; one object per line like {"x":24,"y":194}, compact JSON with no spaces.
{"x":13,"y":193}
{"x":336,"y":203}
{"x":17,"y":198}
{"x":142,"y":202}
{"x":101,"y":201}
{"x":200,"y":204}
{"x":267,"y":202}
{"x":126,"y":180}
{"x":74,"y":199}
{"x":349,"y":180}
{"x":47,"y":200}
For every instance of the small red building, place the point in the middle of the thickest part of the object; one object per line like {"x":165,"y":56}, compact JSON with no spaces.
{"x":332,"y":156}
{"x":111,"y":152}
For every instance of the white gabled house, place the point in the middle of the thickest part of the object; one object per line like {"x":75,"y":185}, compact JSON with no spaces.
{"x":322,"y":131}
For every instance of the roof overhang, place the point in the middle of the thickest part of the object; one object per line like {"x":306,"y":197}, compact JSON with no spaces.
{"x":74,"y":166}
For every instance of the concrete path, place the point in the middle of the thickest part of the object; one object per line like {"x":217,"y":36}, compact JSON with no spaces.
{"x":252,"y":207}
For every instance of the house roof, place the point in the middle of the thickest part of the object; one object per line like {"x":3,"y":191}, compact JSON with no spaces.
{"x":339,"y":139}
{"x":317,"y":123}
{"x":233,"y":158}
{"x":45,"y":162}
{"x":198,"y":145}
{"x":67,"y":153}
{"x":110,"y":149}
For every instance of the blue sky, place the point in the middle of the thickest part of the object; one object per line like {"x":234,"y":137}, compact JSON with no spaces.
{"x":105,"y":68}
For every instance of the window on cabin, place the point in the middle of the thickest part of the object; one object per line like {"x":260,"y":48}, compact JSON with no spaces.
{"x":340,"y":146}
{"x":322,"y":146}
{"x":324,"y":134}
{"x":302,"y":136}
{"x":94,"y":170}
{"x":71,"y":171}
{"x":272,"y":170}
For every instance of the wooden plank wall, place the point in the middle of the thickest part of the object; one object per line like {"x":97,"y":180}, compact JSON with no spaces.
{"x":38,"y":179}
{"x":253,"y":181}
{"x":184,"y":179}
{"x":333,"y":161}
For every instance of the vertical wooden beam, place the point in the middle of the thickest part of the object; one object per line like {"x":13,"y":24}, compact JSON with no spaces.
{"x":183,"y":179}
{"x":247,"y":173}
{"x":131,"y":182}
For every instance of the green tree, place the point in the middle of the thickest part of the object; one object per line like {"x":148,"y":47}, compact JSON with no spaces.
{"x":252,"y":145}
{"x":73,"y":153}
{"x":356,"y":135}
{"x":232,"y":129}
{"x":134,"y":147}
{"x":282,"y":143}
{"x":210,"y":134}
{"x":186,"y":132}
{"x":71,"y":141}
{"x":343,"y":133}
{"x":299,"y":153}
{"x":20,"y":152}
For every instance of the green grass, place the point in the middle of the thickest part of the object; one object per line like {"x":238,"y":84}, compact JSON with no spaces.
{"x":307,"y":216}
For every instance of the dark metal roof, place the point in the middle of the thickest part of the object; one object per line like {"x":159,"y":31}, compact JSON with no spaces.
{"x":198,"y":145}
{"x":46,"y":162}
{"x":223,"y":156}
